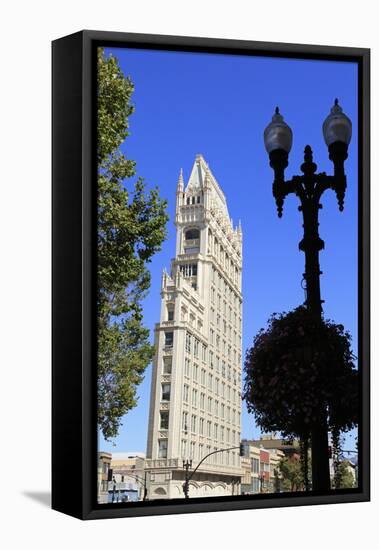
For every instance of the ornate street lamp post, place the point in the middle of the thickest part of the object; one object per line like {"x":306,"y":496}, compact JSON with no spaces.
{"x":187,"y":464}
{"x":309,"y":187}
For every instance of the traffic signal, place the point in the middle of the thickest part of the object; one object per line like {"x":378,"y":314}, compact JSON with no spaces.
{"x":242,"y":449}
{"x":110,"y":474}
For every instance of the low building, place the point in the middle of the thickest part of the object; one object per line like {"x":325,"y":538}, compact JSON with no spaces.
{"x":246,"y":468}
{"x":270,"y":442}
{"x":276,"y":455}
{"x":103,"y":467}
{"x":128,"y":477}
{"x":265,"y":474}
{"x":255,"y":469}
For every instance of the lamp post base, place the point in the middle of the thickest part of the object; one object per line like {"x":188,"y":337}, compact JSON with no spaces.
{"x":320,"y":456}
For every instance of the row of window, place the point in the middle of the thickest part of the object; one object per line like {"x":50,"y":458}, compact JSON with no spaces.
{"x":203,"y":427}
{"x":196,"y":452}
{"x":192,"y":344}
{"x":193,"y":200}
{"x":213,"y":384}
{"x":188,"y":270}
{"x":218,"y":251}
{"x":222,"y":368}
{"x":222,"y":305}
{"x":257,"y":466}
{"x":195,"y":347}
{"x":213,"y":406}
{"x":222,"y":346}
{"x":226,"y":323}
{"x":226,"y":290}
{"x":191,"y":319}
{"x":206,"y":428}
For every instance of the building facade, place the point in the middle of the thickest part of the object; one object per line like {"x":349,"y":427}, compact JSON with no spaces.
{"x":103,"y":467}
{"x":265,"y":475}
{"x":195,"y":403}
{"x":271,"y":442}
{"x":128,"y":477}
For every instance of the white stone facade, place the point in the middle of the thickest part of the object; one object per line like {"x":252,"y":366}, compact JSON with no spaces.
{"x":195,"y":403}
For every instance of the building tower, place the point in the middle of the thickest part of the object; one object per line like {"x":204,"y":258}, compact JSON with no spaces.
{"x":195,"y":402}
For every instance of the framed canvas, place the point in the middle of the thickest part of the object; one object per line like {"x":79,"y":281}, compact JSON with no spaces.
{"x":210,"y":275}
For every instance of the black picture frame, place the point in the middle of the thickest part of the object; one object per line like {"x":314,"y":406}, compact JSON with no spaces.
{"x":74,"y":439}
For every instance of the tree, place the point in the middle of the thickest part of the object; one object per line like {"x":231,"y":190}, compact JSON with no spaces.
{"x":297,"y":367}
{"x":292,"y":474}
{"x":343,"y":476}
{"x":131,"y":226}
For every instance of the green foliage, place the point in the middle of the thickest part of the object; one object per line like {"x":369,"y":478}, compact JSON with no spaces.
{"x":292,"y":473}
{"x":305,"y":461}
{"x":343,"y":477}
{"x":131,"y":228}
{"x":114,"y":92}
{"x":297,"y":367}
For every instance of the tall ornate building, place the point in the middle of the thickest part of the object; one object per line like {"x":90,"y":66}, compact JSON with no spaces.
{"x":195,"y":403}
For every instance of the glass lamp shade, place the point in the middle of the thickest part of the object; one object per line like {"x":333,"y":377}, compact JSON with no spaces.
{"x":337,"y":126}
{"x":278,"y":135}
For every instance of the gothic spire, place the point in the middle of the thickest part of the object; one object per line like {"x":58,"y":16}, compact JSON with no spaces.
{"x":180,"y":186}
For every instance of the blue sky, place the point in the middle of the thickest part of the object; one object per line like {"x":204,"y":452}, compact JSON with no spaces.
{"x":217,"y":105}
